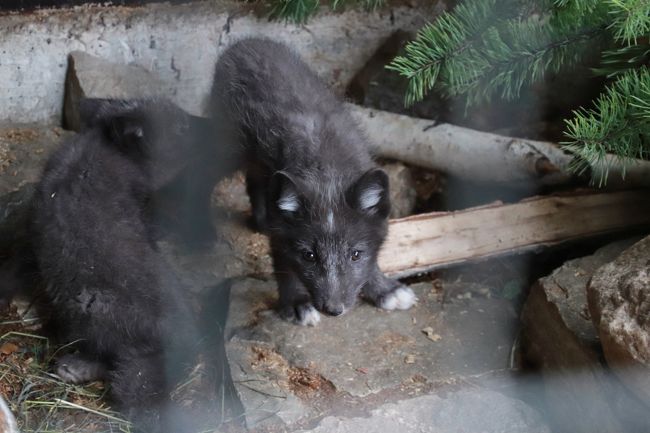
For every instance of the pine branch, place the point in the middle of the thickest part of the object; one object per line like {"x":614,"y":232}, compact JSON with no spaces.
{"x":485,"y":48}
{"x":369,"y":5}
{"x":631,"y":19}
{"x":619,"y":123}
{"x":521,"y":53}
{"x":293,"y":10}
{"x":619,"y":60}
{"x":299,"y":11}
{"x":449,"y":44}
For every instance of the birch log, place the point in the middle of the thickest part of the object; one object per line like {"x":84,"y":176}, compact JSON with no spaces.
{"x":462,"y":152}
{"x":481,"y":156}
{"x":428,"y":241}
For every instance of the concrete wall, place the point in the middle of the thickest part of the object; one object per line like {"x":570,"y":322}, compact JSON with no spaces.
{"x":180,"y":43}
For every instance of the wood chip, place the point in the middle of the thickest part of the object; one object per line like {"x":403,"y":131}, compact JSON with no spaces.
{"x":428,"y":331}
{"x":409,"y":359}
{"x":8,"y":348}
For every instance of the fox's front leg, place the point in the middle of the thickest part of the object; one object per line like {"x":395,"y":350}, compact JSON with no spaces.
{"x":388,"y":293}
{"x":295,"y":302}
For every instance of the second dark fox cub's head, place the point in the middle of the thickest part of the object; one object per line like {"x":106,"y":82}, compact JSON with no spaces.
{"x":329,"y":233}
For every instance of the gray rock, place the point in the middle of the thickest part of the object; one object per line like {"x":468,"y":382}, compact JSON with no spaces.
{"x":92,"y":77}
{"x":470,"y":410}
{"x":402,"y":189}
{"x":560,"y":339}
{"x":364,"y":352}
{"x":619,"y":302}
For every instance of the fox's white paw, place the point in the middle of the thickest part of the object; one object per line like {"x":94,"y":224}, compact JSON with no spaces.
{"x":74,"y":369}
{"x":401,"y":298}
{"x":308,"y":316}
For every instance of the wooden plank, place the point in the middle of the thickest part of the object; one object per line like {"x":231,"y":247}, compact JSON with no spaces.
{"x":428,"y":241}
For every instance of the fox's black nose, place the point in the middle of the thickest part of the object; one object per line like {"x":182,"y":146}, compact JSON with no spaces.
{"x":335,"y":311}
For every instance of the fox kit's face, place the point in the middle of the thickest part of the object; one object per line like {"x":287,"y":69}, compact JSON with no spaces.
{"x":331,"y":246}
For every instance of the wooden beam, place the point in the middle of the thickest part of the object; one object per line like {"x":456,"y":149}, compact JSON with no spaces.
{"x":424,"y":242}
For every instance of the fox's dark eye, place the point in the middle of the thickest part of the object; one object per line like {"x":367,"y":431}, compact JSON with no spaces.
{"x":309,"y":256}
{"x":356,"y":255}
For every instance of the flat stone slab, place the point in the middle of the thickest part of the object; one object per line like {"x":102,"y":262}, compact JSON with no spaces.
{"x":366,"y":351}
{"x":468,"y":410}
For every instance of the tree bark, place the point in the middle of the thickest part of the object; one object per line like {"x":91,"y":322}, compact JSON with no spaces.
{"x":480,"y":156}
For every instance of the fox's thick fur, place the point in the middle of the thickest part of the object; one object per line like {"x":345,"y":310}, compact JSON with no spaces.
{"x":312,"y":182}
{"x":108,"y":290}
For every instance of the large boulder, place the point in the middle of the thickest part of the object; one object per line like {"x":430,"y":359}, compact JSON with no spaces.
{"x":560,"y":340}
{"x":619,"y":303}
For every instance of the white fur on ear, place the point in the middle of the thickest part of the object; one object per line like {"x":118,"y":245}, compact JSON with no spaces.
{"x":370,"y":197}
{"x":288,"y":203}
{"x":138,"y":132}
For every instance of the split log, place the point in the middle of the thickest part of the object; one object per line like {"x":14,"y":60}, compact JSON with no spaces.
{"x":480,"y":156}
{"x":425,"y":242}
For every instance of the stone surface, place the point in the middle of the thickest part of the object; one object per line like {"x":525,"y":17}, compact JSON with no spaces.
{"x":468,"y":410}
{"x":93,"y":77}
{"x":619,"y":303}
{"x":364,"y":352}
{"x":178,"y":43}
{"x":402,"y":189}
{"x":560,"y":340}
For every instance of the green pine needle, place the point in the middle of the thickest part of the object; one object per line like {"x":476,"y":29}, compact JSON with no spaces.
{"x":619,"y":123}
{"x":631,"y":19}
{"x":299,"y":11}
{"x":619,"y":60}
{"x":294,"y":10}
{"x":447,"y":49}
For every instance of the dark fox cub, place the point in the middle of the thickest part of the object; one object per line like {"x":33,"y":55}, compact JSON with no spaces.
{"x":312,"y":183}
{"x":107,"y":290}
{"x":180,"y":158}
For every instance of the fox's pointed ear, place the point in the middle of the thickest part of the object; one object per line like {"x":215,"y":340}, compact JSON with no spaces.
{"x":284,"y":195}
{"x":369,"y":194}
{"x":128,"y":128}
{"x":123,"y":124}
{"x":90,"y":110}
